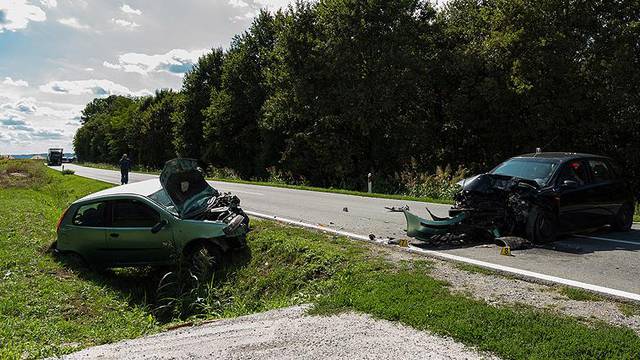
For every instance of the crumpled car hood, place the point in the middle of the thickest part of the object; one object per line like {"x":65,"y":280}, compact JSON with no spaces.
{"x":185,"y":185}
{"x":488,"y":183}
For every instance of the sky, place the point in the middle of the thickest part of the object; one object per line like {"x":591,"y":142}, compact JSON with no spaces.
{"x":57,"y":55}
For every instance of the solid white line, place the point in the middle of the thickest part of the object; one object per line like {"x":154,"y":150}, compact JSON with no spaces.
{"x":609,"y":240}
{"x":438,"y":254}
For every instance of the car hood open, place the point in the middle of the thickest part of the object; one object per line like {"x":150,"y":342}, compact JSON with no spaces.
{"x":185,"y":185}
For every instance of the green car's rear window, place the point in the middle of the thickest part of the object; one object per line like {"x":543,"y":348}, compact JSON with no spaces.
{"x":92,"y":215}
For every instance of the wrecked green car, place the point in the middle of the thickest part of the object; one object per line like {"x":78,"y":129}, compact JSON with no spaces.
{"x":155,"y":222}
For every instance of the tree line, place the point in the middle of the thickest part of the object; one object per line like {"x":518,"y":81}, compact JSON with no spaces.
{"x":326,"y":92}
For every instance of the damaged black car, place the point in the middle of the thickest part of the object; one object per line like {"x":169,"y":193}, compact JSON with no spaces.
{"x":537,"y":197}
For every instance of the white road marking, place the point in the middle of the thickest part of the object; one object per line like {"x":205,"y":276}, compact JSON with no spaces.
{"x":609,"y":240}
{"x":438,"y":254}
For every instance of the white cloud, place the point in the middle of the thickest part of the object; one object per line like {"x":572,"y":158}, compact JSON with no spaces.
{"x":273,"y":4}
{"x":17,"y":82}
{"x":246,"y":16}
{"x":129,"y":10}
{"x":49,"y":3}
{"x":89,"y":69}
{"x":238,"y":3}
{"x":125,"y":24}
{"x":89,"y":87}
{"x":24,"y":106}
{"x":16,"y":14}
{"x":74,"y":23}
{"x":176,"y":61}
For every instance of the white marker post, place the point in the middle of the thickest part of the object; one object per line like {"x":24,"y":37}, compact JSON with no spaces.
{"x":369,"y":184}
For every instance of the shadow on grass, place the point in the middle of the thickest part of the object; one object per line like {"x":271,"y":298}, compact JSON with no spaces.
{"x":139,"y":285}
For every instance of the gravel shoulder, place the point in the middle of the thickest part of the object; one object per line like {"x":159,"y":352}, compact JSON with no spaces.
{"x":288,"y":334}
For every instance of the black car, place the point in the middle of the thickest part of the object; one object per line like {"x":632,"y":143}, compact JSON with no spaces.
{"x":542,"y":195}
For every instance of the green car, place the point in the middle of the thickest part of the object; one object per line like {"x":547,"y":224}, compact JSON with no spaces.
{"x":178,"y":217}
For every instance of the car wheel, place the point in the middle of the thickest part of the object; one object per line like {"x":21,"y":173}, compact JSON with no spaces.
{"x":624,"y":218}
{"x":542,"y":226}
{"x":201,"y":261}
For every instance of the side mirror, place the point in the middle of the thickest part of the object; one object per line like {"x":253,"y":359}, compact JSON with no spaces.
{"x":570,"y":184}
{"x":157,"y":227}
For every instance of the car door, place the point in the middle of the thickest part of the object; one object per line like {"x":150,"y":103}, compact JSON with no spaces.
{"x":86,"y":233}
{"x":575,"y":196}
{"x":129,"y":237}
{"x":609,"y":193}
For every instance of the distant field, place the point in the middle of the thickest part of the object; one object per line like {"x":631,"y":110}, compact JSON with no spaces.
{"x":50,"y":307}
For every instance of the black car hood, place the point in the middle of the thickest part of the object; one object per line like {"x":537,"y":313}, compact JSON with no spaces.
{"x":185,"y":185}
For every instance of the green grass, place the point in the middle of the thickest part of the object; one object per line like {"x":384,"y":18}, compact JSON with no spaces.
{"x":46,"y":306}
{"x":629,"y":309}
{"x":287,"y":186}
{"x":511,"y":332}
{"x":474,"y":269}
{"x":579,"y":294}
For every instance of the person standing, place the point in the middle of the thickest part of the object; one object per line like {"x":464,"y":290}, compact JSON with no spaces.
{"x":125,"y":166}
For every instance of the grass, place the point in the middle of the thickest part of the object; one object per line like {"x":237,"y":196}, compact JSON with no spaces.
{"x":628,"y":309}
{"x":295,"y":187}
{"x":474,"y":269}
{"x":579,"y":294}
{"x":47,"y":308}
{"x":50,"y":308}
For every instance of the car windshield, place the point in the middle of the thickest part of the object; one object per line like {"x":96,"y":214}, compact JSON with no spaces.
{"x":536,"y":169}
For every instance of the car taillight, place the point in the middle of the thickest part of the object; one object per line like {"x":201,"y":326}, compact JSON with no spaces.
{"x":60,"y":220}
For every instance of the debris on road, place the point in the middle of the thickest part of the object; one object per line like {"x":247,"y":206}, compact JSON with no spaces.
{"x":345,"y":209}
{"x":485,"y":209}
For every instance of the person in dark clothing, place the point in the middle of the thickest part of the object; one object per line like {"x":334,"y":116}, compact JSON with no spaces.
{"x":125,"y":166}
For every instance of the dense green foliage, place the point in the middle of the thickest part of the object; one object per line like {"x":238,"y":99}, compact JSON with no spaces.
{"x":326,"y":92}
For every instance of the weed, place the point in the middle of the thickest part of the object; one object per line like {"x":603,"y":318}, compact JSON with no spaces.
{"x":579,"y":294}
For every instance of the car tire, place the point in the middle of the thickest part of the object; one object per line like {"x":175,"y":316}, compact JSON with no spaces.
{"x":542,"y":226}
{"x":201,"y":261}
{"x":624,"y":219}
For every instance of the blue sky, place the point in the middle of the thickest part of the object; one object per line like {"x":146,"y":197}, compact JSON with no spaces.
{"x":57,"y":55}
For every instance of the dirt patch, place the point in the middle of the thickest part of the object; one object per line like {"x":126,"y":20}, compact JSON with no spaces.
{"x":289,"y":334}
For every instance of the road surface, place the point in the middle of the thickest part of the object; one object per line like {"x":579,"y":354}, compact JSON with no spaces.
{"x":608,"y":260}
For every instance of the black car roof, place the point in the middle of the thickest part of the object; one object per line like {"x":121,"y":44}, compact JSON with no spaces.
{"x":562,"y":156}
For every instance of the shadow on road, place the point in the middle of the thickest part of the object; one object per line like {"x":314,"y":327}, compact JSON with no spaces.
{"x":599,"y":241}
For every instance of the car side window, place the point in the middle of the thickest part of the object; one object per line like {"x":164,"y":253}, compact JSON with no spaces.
{"x":91,"y":215}
{"x":133,"y":213}
{"x":574,"y":171}
{"x":600,"y":171}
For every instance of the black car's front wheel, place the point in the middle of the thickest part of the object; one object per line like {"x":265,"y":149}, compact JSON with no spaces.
{"x":542,"y":226}
{"x":624,"y":218}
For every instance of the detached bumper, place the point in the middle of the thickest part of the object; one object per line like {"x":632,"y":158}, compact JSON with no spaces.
{"x":424,"y":229}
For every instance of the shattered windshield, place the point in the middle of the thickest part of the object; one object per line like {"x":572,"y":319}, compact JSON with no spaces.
{"x":536,"y":169}
{"x":163,"y":199}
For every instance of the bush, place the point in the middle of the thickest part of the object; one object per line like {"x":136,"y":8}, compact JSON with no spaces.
{"x":441,"y":185}
{"x":221,"y":173}
{"x":68,"y":172}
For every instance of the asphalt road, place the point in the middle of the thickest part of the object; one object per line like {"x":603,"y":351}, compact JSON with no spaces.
{"x":608,"y":260}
